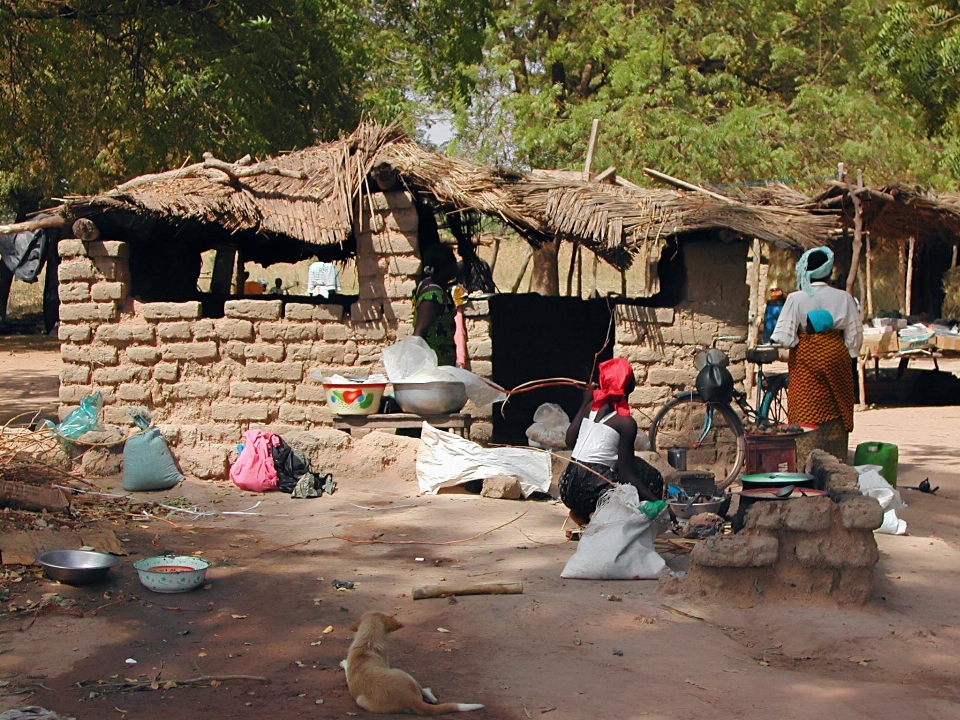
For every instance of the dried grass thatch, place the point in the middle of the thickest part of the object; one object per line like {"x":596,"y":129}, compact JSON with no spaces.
{"x":310,"y":196}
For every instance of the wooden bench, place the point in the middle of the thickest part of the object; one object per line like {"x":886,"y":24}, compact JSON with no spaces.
{"x":457,"y":422}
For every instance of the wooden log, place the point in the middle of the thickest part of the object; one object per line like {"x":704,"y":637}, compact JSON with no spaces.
{"x":426,"y":592}
{"x":573,"y":264}
{"x":593,"y":278}
{"x":32,"y":497}
{"x":857,"y":235}
{"x":953,"y":257}
{"x":607,"y":175}
{"x":908,"y":287}
{"x":670,"y":180}
{"x":86,"y":230}
{"x":592,"y":145}
{"x":523,"y":270}
{"x":496,"y":252}
{"x":868,"y":261}
{"x":48,"y":221}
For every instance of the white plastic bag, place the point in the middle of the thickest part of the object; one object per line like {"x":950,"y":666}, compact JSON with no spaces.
{"x":408,"y":357}
{"x":618,"y":542}
{"x":872,"y":484}
{"x":549,"y":428}
{"x":445,"y":459}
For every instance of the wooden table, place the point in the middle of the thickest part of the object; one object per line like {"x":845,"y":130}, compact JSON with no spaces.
{"x":904,"y":358}
{"x":457,"y":422}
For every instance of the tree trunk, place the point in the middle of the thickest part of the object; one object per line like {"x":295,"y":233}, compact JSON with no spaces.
{"x":51,"y":295}
{"x":546,"y":271}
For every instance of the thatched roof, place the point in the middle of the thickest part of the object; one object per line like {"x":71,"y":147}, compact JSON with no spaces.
{"x":892,"y":212}
{"x":310,"y":195}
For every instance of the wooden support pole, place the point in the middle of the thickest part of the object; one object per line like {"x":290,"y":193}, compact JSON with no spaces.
{"x":496,"y":252}
{"x":953,"y":257}
{"x":523,"y":270}
{"x":908,"y":289}
{"x":623,"y":283}
{"x":902,"y":274}
{"x":593,"y":279}
{"x":755,"y":313}
{"x":580,"y":274}
{"x":591,"y":147}
{"x":223,"y":262}
{"x":857,"y":233}
{"x":573,"y":265}
{"x":868,"y":262}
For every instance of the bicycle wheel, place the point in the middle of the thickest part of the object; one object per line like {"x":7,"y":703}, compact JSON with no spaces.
{"x":773,"y":405}
{"x":711,"y":433}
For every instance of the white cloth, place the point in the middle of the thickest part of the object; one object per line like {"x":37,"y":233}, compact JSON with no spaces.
{"x":322,"y":279}
{"x":838,"y":303}
{"x":596,"y":442}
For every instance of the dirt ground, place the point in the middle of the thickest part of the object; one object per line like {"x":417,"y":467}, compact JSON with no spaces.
{"x":567,"y":649}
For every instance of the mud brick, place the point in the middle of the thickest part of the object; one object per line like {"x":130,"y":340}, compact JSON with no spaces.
{"x":74,"y":374}
{"x":253,"y":309}
{"x":74,"y":333}
{"x":106,"y":291}
{"x":290,"y":372}
{"x":234,"y":413}
{"x":197,"y":352}
{"x":862,"y":513}
{"x":329,"y":354}
{"x":107,"y":249}
{"x":117,"y":375}
{"x":204,"y":330}
{"x":403,"y":265}
{"x":143,"y":355}
{"x":480,"y":349}
{"x":123,"y":334}
{"x":670,"y":376}
{"x":476,"y":308}
{"x":187,"y":390}
{"x":234,"y":329}
{"x":134,"y":392}
{"x":368,"y":330}
{"x":292,"y":413}
{"x":92,"y":355}
{"x":166,"y":372}
{"x":736,"y":551}
{"x":264,"y":351}
{"x":174,"y":330}
{"x":311,"y":393}
{"x":303,"y":312}
{"x":335,"y":333}
{"x":157,"y":312}
{"x":74,"y":292}
{"x":77,"y":269}
{"x":88,"y":312}
{"x":257,"y":391}
{"x":113,"y":269}
{"x":809,"y":514}
{"x":298,"y":353}
{"x":287,"y":332}
{"x":71,"y":248}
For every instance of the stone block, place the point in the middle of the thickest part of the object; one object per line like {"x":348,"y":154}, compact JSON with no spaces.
{"x":302,"y":312}
{"x":117,"y":375}
{"x":292,"y":413}
{"x":764,"y":516}
{"x":107,"y":249}
{"x":71,"y":248}
{"x":113,"y":268}
{"x":809,"y":514}
{"x":665,"y":316}
{"x":502,"y":487}
{"x":397,"y":288}
{"x":87,"y":354}
{"x":676,"y":377}
{"x":74,"y":292}
{"x":106,"y":291}
{"x":257,"y":391}
{"x":398,"y":311}
{"x":88,"y":312}
{"x":187,"y":390}
{"x":483,"y":368}
{"x":159,"y":311}
{"x":861,"y":513}
{"x":366,"y":311}
{"x":253,"y":309}
{"x":78,"y":269}
{"x":102,"y":461}
{"x":298,"y":353}
{"x":173,"y":331}
{"x":264,"y":351}
{"x":288,"y":332}
{"x":476,"y":308}
{"x":289,"y":372}
{"x":648,"y":395}
{"x":310,"y":394}
{"x":205,"y":329}
{"x":166,"y":372}
{"x":74,"y":375}
{"x":143,"y":355}
{"x":367,"y":330}
{"x":736,"y":551}
{"x":234,"y":329}
{"x":256,"y":412}
{"x":197,"y":352}
{"x":480,"y":349}
{"x":481,"y":432}
{"x":134,"y":392}
{"x":335,"y":333}
{"x":329,"y":354}
{"x":841,"y":477}
{"x":124,"y":334}
{"x":403,"y":265}
{"x":74,"y":333}
{"x":206,"y":462}
{"x":234,"y":349}
{"x":848,"y":550}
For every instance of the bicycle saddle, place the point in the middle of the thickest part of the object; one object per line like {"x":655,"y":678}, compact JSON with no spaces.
{"x":762,"y":355}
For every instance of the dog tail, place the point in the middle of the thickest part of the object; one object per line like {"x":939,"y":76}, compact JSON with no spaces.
{"x":425,"y":708}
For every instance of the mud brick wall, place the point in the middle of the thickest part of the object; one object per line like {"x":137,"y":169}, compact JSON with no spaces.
{"x":822,"y":546}
{"x":207,"y":380}
{"x":660,"y":342}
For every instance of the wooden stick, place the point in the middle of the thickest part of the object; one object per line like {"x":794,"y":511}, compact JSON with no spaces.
{"x":607,"y":175}
{"x":590,"y":148}
{"x":868,"y":261}
{"x":669,"y":180}
{"x":901,"y":272}
{"x":754,"y":313}
{"x":953,"y":257}
{"x":426,"y":592}
{"x":857,"y":234}
{"x":523,"y":270}
{"x":593,"y":279}
{"x":908,"y":290}
{"x":51,"y":221}
{"x":496,"y":252}
{"x":573,"y":264}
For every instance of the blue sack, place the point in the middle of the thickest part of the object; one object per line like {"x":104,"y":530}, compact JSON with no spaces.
{"x":148,"y":463}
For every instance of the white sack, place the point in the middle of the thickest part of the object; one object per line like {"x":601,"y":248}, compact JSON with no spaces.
{"x":445,"y":459}
{"x":549,"y":428}
{"x":618,"y":542}
{"x":872,"y":484}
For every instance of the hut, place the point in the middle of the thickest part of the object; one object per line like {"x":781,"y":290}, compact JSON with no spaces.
{"x":210,"y":364}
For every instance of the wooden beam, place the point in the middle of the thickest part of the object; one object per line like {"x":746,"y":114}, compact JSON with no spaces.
{"x":908,"y":290}
{"x":607,"y":175}
{"x":755,"y":313}
{"x":590,"y":149}
{"x":573,"y":264}
{"x":868,"y":261}
{"x":523,"y":270}
{"x":857,"y":234}
{"x":669,"y":180}
{"x":50,"y":221}
{"x":593,"y":279}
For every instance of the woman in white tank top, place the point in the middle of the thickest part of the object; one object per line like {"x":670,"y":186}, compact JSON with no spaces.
{"x":602,"y":436}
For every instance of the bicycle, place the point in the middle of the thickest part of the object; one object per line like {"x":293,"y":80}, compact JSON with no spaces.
{"x":712,"y":433}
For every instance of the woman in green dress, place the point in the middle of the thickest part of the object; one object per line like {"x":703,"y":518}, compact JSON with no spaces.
{"x":434,"y":309}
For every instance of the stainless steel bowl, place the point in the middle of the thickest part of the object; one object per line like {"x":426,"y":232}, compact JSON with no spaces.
{"x":431,"y":398}
{"x":682,"y":513}
{"x":76,"y":567}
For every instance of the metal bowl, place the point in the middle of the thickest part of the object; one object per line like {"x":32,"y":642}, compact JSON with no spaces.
{"x":431,"y":398}
{"x":682,"y":513}
{"x":76,"y":567}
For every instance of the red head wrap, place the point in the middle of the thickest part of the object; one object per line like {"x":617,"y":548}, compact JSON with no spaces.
{"x":615,"y":375}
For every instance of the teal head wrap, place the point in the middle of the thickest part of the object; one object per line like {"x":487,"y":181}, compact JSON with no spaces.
{"x":804,"y":276}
